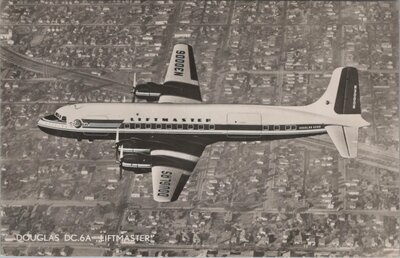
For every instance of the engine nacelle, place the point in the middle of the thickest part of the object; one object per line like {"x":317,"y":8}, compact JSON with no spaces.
{"x":138,"y":163}
{"x":130,"y":146}
{"x":149,"y":91}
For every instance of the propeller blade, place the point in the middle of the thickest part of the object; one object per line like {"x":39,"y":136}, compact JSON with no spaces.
{"x":121,"y":152}
{"x":134,"y":88}
{"x":116,"y":144}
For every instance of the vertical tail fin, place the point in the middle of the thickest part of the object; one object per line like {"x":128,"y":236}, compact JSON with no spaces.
{"x":342,"y":95}
{"x":342,"y":99}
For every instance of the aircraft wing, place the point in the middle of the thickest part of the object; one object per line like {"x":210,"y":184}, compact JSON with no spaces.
{"x":168,"y":182}
{"x":181,"y":79}
{"x":172,"y":169}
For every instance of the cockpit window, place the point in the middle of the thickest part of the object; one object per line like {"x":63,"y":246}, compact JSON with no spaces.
{"x":60,"y":118}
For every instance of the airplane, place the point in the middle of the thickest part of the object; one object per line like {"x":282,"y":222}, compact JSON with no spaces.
{"x":167,"y":134}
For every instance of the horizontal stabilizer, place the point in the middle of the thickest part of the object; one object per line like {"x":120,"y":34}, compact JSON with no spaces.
{"x":345,"y":139}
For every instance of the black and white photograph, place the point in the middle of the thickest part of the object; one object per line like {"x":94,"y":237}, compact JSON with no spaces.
{"x":205,"y":128}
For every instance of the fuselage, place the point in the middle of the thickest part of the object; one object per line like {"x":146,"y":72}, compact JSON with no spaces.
{"x":216,"y":122}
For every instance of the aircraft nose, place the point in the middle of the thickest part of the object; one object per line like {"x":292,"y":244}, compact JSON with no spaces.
{"x":42,"y":125}
{"x":41,"y":122}
{"x":45,"y":124}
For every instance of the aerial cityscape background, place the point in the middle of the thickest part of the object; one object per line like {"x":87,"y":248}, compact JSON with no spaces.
{"x":280,"y":198}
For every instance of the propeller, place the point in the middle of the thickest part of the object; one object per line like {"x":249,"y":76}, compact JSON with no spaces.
{"x":121,"y":155}
{"x":116,"y":145}
{"x":117,"y":136}
{"x":121,"y":152}
{"x":118,"y":158}
{"x":134,"y":88}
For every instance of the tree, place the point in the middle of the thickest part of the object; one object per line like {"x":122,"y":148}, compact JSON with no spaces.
{"x":68,"y":250}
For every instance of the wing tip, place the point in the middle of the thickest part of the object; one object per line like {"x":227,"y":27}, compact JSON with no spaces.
{"x":161,"y":199}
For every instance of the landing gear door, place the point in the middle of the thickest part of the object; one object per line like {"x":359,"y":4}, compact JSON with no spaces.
{"x":244,"y":125}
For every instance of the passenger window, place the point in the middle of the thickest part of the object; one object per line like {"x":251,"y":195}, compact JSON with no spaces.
{"x":132,"y":126}
{"x":201,"y":127}
{"x":276,"y":127}
{"x":287,"y":127}
{"x":293,"y":127}
{"x":137,"y":126}
{"x":158,"y":126}
{"x":148,"y":126}
{"x":180,"y":126}
{"x":212,"y":127}
{"x":265,"y":127}
{"x":190,"y":126}
{"x":169,"y":126}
